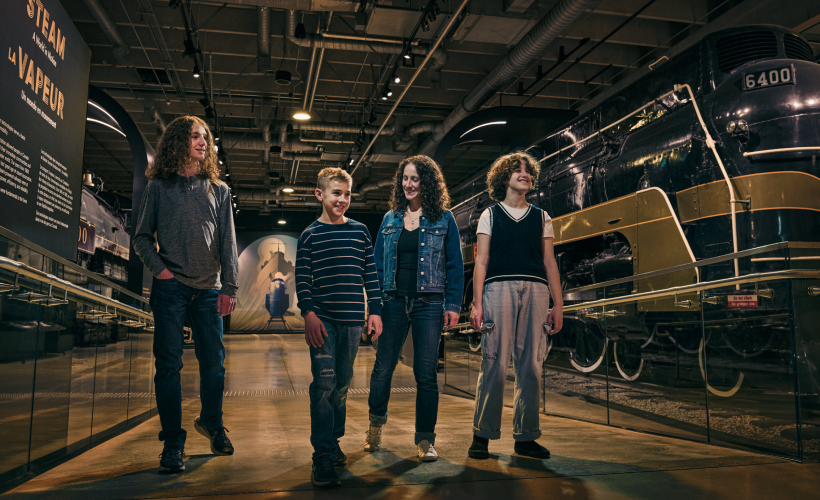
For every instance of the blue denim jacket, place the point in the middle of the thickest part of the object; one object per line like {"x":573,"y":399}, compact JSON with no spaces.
{"x":441,"y":267}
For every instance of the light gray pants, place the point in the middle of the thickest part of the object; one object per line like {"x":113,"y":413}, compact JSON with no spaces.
{"x":515,"y":313}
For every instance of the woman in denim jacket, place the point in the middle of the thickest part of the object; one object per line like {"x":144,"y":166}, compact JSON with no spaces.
{"x":421,"y":272}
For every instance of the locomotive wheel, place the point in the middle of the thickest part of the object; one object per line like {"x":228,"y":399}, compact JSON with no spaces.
{"x":590,"y":348}
{"x":724,"y":394}
{"x":748,"y":340}
{"x":689,"y":337}
{"x":629,"y":364}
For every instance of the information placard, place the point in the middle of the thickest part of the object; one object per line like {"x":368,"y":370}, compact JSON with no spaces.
{"x":43,"y":94}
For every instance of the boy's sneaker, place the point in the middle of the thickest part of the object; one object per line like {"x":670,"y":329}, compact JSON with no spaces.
{"x":220,"y":444}
{"x":323,"y":473}
{"x":479,"y":448}
{"x":531,"y":449}
{"x":171,"y":460}
{"x":427,"y":452}
{"x":373,"y":439}
{"x":340,"y":458}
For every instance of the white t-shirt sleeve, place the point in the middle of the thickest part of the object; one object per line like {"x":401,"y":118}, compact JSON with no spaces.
{"x":485,"y":223}
{"x":548,"y":230}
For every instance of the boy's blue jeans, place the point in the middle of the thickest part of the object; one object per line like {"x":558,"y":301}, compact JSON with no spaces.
{"x":332,"y":369}
{"x":171,"y":302}
{"x":425,"y":315}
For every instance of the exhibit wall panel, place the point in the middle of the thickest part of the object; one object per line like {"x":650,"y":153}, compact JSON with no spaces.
{"x":43,"y":98}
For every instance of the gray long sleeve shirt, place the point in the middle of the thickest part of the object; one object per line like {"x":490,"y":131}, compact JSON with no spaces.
{"x":193,"y":223}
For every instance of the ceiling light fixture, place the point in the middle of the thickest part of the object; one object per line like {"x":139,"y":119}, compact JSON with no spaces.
{"x":287,"y":190}
{"x":396,"y":79}
{"x":408,"y":53}
{"x":283,"y":77}
{"x":482,"y":125}
{"x":282,"y":221}
{"x":197,"y":74}
{"x":301,"y":114}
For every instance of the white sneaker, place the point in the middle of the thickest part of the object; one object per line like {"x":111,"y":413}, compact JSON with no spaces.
{"x":373,"y":439}
{"x":427,"y":452}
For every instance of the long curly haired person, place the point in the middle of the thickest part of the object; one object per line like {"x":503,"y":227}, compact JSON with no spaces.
{"x":435,"y":198}
{"x":173,"y":151}
{"x":503,"y":168}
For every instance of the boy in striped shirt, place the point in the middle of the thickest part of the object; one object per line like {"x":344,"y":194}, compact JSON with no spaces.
{"x":334,"y":262}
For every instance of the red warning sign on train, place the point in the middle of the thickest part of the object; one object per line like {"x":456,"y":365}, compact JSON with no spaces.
{"x":742,"y":300}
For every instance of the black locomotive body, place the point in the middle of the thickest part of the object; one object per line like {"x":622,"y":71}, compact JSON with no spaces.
{"x":636,"y":192}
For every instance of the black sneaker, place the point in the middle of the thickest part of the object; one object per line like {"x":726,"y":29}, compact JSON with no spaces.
{"x":220,"y":444}
{"x":323,"y":473}
{"x":531,"y":449}
{"x":171,"y":460}
{"x":339,"y":459}
{"x":479,"y":448}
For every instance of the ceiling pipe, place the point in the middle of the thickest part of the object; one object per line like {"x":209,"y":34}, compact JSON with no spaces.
{"x":403,"y":144}
{"x":103,"y":17}
{"x":263,"y":39}
{"x":309,"y":78}
{"x":305,"y":5}
{"x":373,"y":185}
{"x":266,"y":152}
{"x":150,"y":112}
{"x":256,"y":141}
{"x":540,"y":36}
{"x":362,"y":44}
{"x":336,"y":127}
{"x":301,"y":156}
{"x":318,"y":65}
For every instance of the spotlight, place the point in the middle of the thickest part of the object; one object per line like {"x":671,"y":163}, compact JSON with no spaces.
{"x":389,"y":93}
{"x":425,"y":26}
{"x":301,"y":114}
{"x":396,"y":79}
{"x":408,"y":53}
{"x":287,"y":190}
{"x":435,"y":9}
{"x":234,"y":205}
{"x":209,"y":110}
{"x":386,"y":92}
{"x":282,"y":221}
{"x":432,"y":16}
{"x":197,"y":74}
{"x":352,"y":161}
{"x":283,"y":77}
{"x":300,"y":32}
{"x":190,"y":49}
{"x":227,"y":175}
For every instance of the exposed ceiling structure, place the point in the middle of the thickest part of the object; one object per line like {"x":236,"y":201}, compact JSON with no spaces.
{"x":343,"y":57}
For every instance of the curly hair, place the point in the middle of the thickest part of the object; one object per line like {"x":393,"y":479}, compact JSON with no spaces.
{"x":172,"y":153}
{"x":503,"y":168}
{"x":435,"y":198}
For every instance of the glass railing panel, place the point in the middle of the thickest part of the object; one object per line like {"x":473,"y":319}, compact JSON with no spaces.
{"x":113,"y":347}
{"x":654,"y":383}
{"x":575,"y":369}
{"x":747,"y":361}
{"x":52,"y":385}
{"x":18,"y":348}
{"x":83,"y":365}
{"x":141,"y":384}
{"x":461,"y":361}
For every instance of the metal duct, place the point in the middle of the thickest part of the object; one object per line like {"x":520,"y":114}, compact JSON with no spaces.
{"x":103,"y":17}
{"x":439,"y":57}
{"x":246,"y":195}
{"x":255,"y":141}
{"x":373,"y":185}
{"x":306,"y":5}
{"x":404,"y":143}
{"x":541,"y":35}
{"x":302,"y":156}
{"x":266,"y":153}
{"x":262,"y":39}
{"x":335,"y":127}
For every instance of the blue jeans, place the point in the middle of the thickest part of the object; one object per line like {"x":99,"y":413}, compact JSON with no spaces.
{"x":172,"y":302}
{"x":425,"y":315}
{"x":332,"y":369}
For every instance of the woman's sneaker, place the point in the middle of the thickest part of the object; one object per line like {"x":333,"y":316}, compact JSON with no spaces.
{"x":171,"y":460}
{"x":373,"y":439}
{"x":427,"y":452}
{"x":322,"y":473}
{"x":220,"y":444}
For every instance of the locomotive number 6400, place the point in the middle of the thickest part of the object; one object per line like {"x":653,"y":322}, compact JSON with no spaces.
{"x":768,"y":78}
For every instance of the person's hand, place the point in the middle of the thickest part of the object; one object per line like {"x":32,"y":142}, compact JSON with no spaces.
{"x":374,"y":324}
{"x":477,"y":317}
{"x":556,"y":319}
{"x":225,"y":304}
{"x":450,"y":319}
{"x":165,"y":275}
{"x":315,"y":331}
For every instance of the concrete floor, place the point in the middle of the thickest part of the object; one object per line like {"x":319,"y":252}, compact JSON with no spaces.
{"x":270,"y":433}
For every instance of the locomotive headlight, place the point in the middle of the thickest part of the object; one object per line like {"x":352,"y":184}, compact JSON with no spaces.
{"x":731,"y":126}
{"x":742,"y":126}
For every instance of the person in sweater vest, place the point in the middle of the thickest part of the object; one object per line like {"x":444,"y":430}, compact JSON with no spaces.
{"x":334,"y":267}
{"x":515,"y":273}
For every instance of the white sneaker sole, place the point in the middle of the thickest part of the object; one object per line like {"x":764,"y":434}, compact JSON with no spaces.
{"x":427,"y":458}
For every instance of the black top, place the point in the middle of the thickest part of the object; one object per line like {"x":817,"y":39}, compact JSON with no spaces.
{"x":516,"y":253}
{"x":408,"y":263}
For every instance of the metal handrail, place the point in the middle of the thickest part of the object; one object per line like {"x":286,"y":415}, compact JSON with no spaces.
{"x":699,"y":263}
{"x":780,"y":150}
{"x":49,"y":279}
{"x":698,"y":287}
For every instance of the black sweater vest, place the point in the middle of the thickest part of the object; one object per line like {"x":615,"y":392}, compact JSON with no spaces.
{"x":515,"y":247}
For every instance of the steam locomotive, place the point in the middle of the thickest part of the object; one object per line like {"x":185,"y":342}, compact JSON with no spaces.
{"x":713,"y":152}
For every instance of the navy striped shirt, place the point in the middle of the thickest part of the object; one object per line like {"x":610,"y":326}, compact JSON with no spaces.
{"x":334,"y":263}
